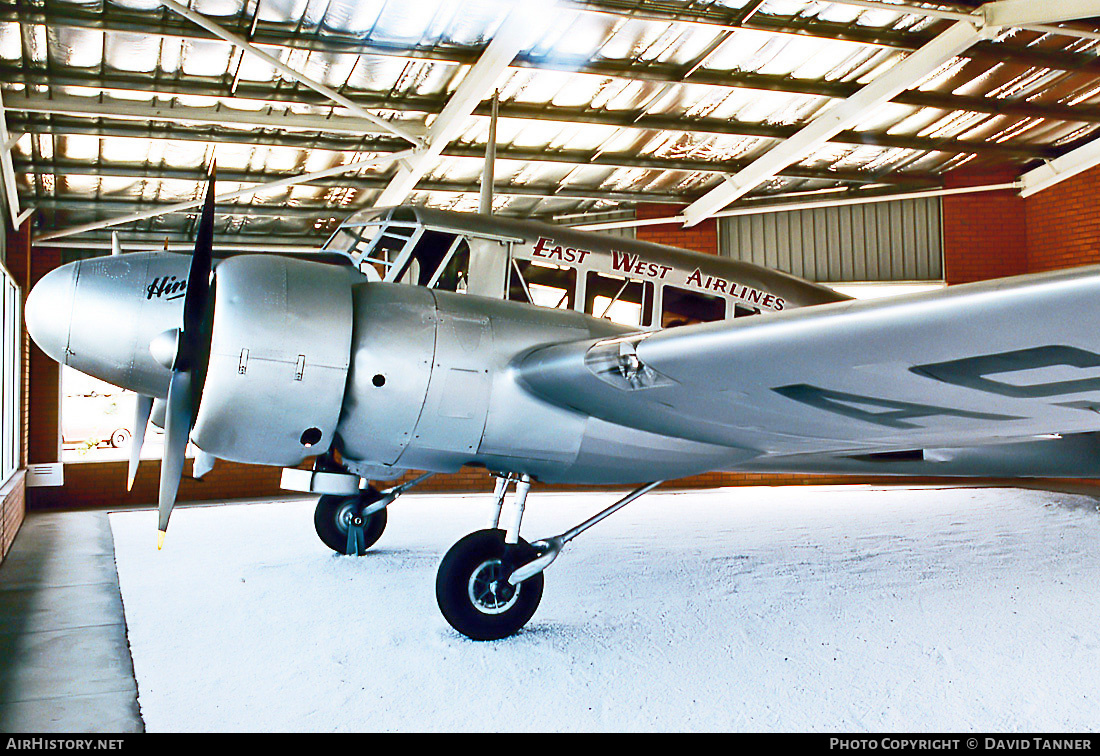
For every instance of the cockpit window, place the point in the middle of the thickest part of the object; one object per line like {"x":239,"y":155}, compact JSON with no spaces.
{"x":400,"y":248}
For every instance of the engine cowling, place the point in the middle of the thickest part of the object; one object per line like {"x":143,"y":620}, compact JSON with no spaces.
{"x":279,"y":356}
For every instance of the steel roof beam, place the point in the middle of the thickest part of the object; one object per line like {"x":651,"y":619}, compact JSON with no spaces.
{"x":957,"y":38}
{"x":317,"y":210}
{"x":1024,"y":12}
{"x":7,"y":173}
{"x":99,"y":107}
{"x":246,"y":192}
{"x":842,"y":115}
{"x":288,"y":71}
{"x":476,"y":85}
{"x":1050,"y":173}
{"x":721,"y":17}
{"x":657,"y":72}
{"x":274,"y":34}
{"x":566,"y":157}
{"x":93,"y":107}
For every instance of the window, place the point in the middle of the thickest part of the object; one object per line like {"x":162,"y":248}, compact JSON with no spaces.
{"x":10,"y":358}
{"x":682,"y":307}
{"x":620,"y":300}
{"x":97,"y":420}
{"x":442,"y":261}
{"x":543,"y":285}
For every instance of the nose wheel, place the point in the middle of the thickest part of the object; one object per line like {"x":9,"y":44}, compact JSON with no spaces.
{"x":343,"y":527}
{"x":473,"y":591}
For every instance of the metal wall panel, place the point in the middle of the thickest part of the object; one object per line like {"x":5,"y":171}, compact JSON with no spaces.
{"x":883,"y":241}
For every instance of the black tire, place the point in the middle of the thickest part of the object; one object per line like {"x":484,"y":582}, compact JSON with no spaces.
{"x":331,"y":521}
{"x":497,"y":615}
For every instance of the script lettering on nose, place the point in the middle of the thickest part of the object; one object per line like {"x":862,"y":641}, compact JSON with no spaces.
{"x":167,"y":287}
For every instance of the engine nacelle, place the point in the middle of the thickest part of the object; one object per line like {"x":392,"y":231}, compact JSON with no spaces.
{"x":431,"y":387}
{"x":279,"y":355}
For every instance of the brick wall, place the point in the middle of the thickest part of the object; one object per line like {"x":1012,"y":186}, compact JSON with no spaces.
{"x":12,"y":509}
{"x":984,"y":234}
{"x":1063,"y":224}
{"x":702,"y":237}
{"x":997,"y":234}
{"x":13,"y":493}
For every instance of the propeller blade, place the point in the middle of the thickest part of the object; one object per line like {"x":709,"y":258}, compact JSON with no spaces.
{"x":189,"y":363}
{"x":177,"y":427}
{"x":156,"y":417}
{"x":144,"y":408}
{"x":203,"y":464}
{"x":116,"y":246}
{"x":198,"y":277}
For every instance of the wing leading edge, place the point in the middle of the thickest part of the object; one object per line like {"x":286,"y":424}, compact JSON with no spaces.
{"x":972,"y":365}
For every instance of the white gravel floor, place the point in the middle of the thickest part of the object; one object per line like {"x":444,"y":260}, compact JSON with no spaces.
{"x":736,"y":609}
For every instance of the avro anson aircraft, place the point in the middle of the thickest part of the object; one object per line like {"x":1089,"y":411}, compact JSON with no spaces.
{"x":428,"y":340}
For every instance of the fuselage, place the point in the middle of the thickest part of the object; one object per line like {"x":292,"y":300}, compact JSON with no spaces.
{"x":309,"y":356}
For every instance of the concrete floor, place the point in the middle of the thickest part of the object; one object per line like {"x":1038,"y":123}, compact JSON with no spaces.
{"x":64,"y":660}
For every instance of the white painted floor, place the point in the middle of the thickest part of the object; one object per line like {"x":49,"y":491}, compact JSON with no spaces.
{"x":737,"y":609}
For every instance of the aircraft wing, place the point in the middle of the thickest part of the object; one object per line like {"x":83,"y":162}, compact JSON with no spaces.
{"x":985,"y":363}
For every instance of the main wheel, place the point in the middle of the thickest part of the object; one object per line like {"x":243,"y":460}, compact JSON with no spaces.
{"x":473,"y":591}
{"x":334,"y":514}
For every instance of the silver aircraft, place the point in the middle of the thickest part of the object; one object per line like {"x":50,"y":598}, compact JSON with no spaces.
{"x":428,"y":340}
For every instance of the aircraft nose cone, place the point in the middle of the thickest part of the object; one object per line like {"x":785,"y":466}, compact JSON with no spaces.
{"x":48,"y":311}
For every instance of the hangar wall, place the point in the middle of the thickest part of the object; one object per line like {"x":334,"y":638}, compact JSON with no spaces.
{"x":986,"y":235}
{"x":13,"y":499}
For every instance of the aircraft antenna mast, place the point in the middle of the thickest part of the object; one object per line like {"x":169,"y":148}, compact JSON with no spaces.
{"x":486,"y":205}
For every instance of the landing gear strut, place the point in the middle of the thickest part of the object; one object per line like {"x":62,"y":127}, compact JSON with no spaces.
{"x":490,"y":583}
{"x":352,"y":524}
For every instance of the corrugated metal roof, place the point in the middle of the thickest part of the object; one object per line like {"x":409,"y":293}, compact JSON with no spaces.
{"x":611,"y":102}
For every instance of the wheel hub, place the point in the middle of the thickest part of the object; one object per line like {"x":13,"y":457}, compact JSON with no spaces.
{"x":489,"y":590}
{"x":346,"y":517}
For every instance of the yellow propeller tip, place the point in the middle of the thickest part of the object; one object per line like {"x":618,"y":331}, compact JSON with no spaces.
{"x":160,"y":539}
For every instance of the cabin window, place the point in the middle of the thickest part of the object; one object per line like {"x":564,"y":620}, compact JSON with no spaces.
{"x":620,"y":300}
{"x":443,"y":261}
{"x":740,"y":311}
{"x":682,"y":307}
{"x":541,"y":284}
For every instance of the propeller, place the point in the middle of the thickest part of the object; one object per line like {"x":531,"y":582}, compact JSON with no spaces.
{"x":144,"y":408}
{"x":190,"y":358}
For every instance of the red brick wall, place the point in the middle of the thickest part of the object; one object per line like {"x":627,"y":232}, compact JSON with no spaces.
{"x":984,"y":234}
{"x":997,"y":234}
{"x":699,"y":238}
{"x":13,"y":494}
{"x":1063,"y":224}
{"x":12,"y":509}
